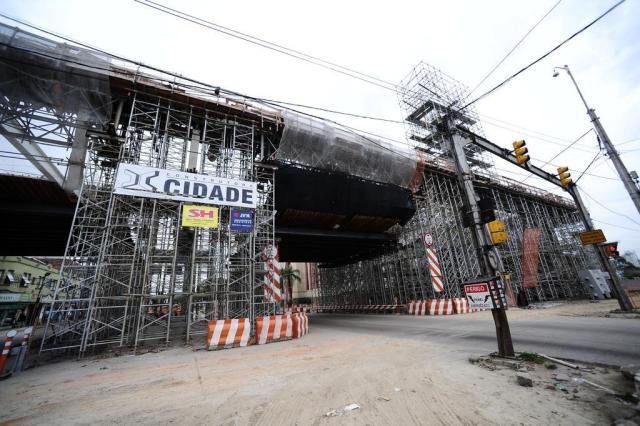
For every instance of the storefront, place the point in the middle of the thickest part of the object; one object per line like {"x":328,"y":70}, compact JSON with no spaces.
{"x":26,"y":289}
{"x":14,"y":308}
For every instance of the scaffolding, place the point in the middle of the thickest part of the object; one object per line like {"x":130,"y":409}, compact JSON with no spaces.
{"x":402,"y":274}
{"x":428,"y":98}
{"x":141,"y":277}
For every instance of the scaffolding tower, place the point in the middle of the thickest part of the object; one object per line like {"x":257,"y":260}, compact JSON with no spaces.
{"x":142,"y":277}
{"x":427,"y":98}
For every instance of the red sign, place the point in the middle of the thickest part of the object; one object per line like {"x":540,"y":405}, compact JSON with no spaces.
{"x":476,"y":288}
{"x":478,"y":295}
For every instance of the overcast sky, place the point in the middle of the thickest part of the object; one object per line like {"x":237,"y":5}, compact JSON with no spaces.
{"x":465,"y":39}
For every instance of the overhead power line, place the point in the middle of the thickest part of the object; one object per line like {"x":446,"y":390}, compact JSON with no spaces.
{"x":281,"y":104}
{"x":562,"y":151}
{"x":616,"y":226}
{"x":330,"y":65}
{"x":514,"y":47}
{"x":209,"y":89}
{"x":203,"y":87}
{"x":525,"y":68}
{"x":333,"y":66}
{"x":534,"y":136}
{"x":607,"y":208}
{"x":270,"y":45}
{"x":587,"y":168}
{"x":524,"y":129}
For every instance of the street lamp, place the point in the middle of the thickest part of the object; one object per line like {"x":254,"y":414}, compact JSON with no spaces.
{"x":625,"y":177}
{"x":623,"y":297}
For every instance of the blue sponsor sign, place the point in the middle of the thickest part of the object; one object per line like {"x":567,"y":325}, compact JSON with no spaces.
{"x":241,"y":220}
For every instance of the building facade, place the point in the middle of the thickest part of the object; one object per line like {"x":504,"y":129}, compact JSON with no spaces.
{"x":26,"y":288}
{"x":306,"y":289}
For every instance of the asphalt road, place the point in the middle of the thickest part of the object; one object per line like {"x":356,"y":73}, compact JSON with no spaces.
{"x":603,"y":340}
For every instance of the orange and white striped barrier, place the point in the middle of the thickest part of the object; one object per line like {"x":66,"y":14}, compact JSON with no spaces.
{"x":228,"y":333}
{"x":461,"y":305}
{"x":434,"y":270}
{"x":273,"y":328}
{"x":432,"y":307}
{"x":300,"y":325}
{"x":6,"y":348}
{"x":440,"y":307}
{"x":417,"y":307}
{"x":272,"y":287}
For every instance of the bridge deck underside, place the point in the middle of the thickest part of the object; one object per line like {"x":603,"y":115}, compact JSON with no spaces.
{"x":402,"y":275}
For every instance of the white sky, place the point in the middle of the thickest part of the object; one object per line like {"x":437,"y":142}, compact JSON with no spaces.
{"x":465,"y":39}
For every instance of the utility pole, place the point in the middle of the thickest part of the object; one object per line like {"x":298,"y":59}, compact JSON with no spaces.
{"x":623,"y":297}
{"x":625,"y":177}
{"x":484,"y":248}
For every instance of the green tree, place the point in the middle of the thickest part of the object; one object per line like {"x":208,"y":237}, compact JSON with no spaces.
{"x":289,"y":276}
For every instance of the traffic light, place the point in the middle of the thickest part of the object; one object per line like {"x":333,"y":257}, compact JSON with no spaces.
{"x":498,"y":234}
{"x":487,"y":207}
{"x":612,"y":249}
{"x":520,"y":151}
{"x":564,"y":176}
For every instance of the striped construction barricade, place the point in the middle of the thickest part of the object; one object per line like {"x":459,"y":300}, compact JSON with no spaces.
{"x":432,"y":307}
{"x":461,"y":305}
{"x":228,"y":333}
{"x":273,"y":328}
{"x":300,"y":325}
{"x":418,"y":307}
{"x":6,"y":348}
{"x":440,"y":307}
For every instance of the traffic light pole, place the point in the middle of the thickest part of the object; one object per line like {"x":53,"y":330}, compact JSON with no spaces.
{"x":482,"y":241}
{"x":625,"y":177}
{"x":623,"y":298}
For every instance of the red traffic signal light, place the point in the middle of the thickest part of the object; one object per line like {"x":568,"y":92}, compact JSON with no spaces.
{"x":612,"y":249}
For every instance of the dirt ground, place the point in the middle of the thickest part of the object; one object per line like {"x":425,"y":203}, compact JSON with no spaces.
{"x":306,"y":381}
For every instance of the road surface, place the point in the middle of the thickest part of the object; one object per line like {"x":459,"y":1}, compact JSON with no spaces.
{"x":397,"y":369}
{"x":595,"y":339}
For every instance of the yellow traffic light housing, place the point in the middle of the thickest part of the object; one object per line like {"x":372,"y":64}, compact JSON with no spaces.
{"x":499,"y":237}
{"x":521,"y":152}
{"x":496,"y":226}
{"x":498,"y":234}
{"x":564,"y":176}
{"x":518,"y":144}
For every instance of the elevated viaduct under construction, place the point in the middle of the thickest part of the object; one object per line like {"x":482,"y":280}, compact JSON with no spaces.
{"x":320,"y":192}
